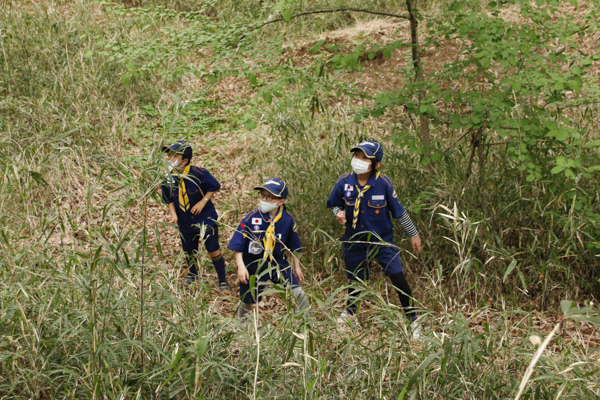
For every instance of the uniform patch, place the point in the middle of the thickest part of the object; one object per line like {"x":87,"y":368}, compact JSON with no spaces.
{"x":254,"y":248}
{"x":378,"y":197}
{"x":395,"y":195}
{"x":294,"y":228}
{"x":348,"y":194}
{"x":377,"y":211}
{"x":256,"y":221}
{"x":256,"y":228}
{"x":348,"y":187}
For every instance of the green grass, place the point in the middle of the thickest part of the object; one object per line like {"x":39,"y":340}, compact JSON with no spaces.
{"x":91,"y":304}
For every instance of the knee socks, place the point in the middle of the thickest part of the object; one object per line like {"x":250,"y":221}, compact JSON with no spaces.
{"x":405,"y":294}
{"x":219,"y":264}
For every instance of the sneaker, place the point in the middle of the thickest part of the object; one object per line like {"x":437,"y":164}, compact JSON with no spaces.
{"x":345,"y":318}
{"x":189,"y":280}
{"x":224,"y":286}
{"x":416,"y":329}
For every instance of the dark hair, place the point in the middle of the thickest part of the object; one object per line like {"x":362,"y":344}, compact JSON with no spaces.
{"x":373,"y":166}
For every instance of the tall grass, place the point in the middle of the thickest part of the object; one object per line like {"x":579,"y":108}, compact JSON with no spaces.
{"x":77,"y":237}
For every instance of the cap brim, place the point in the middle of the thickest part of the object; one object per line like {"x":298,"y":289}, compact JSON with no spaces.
{"x":363,"y":150}
{"x":262,"y":187}
{"x":178,"y":150}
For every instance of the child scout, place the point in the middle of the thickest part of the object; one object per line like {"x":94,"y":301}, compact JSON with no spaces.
{"x":264,"y":243}
{"x":188,"y":192}
{"x":365,"y":202}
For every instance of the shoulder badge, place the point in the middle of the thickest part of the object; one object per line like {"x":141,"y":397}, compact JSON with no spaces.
{"x":394,"y":195}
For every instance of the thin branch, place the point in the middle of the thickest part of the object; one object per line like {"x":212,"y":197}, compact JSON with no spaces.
{"x":363,"y":10}
{"x":456,"y":141}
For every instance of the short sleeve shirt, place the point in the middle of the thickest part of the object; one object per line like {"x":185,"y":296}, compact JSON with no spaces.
{"x":249,"y":235}
{"x":377,"y":207}
{"x":197,"y":183}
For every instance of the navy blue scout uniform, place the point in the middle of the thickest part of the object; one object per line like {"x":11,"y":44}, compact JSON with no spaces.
{"x":369,"y":212}
{"x":198,"y":181}
{"x":376,"y":206}
{"x":249,"y":239}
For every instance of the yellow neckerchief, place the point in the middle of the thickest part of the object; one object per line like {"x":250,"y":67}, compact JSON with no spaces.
{"x":359,"y":196}
{"x":269,"y":240}
{"x":184,"y":201}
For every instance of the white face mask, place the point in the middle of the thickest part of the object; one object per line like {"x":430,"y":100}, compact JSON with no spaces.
{"x":267,"y":207}
{"x":175,"y":164}
{"x":360,"y":166}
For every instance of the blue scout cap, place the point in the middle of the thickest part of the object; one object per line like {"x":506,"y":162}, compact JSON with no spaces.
{"x":371,"y":148}
{"x":180,"y":147}
{"x":276,"y":187}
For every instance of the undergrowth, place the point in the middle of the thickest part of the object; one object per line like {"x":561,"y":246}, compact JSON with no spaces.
{"x":91,"y":305}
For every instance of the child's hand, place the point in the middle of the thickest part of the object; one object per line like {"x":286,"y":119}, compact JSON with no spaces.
{"x":243,"y":275}
{"x":299,"y":274}
{"x":197,"y":209}
{"x":173,"y":218}
{"x":416,"y":244}
{"x":341,"y":217}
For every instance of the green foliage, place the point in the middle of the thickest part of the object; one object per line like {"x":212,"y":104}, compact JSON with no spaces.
{"x":89,"y":295}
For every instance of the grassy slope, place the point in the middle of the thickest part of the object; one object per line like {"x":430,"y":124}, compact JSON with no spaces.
{"x":78,"y":321}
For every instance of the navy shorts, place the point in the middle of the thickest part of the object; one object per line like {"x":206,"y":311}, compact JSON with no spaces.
{"x":357,"y":257}
{"x":190,"y":240}
{"x":264,"y":273}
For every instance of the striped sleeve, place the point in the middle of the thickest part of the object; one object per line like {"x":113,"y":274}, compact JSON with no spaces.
{"x":407,"y":224}
{"x":336,"y":210}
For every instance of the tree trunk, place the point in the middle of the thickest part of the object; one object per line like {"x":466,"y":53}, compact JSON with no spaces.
{"x":418,"y":67}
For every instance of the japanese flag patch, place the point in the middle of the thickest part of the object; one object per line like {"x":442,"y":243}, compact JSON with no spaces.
{"x":256,"y":221}
{"x":348,"y":187}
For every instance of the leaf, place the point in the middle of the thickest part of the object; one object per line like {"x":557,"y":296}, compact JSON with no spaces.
{"x":425,"y":161}
{"x":250,"y":125}
{"x":516,"y":86}
{"x":530,"y":178}
{"x":88,"y":54}
{"x":574,"y":3}
{"x":565,"y":306}
{"x":130,"y":66}
{"x":126,"y":79}
{"x":418,"y":372}
{"x":510,"y":268}
{"x":252,"y":79}
{"x":38,"y":178}
{"x":315,"y":49}
{"x":562,"y":135}
{"x":387,"y":53}
{"x":279,"y":5}
{"x":485,"y":62}
{"x":576,"y":84}
{"x":268,"y":97}
{"x":557,"y":169}
{"x":287,"y":15}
